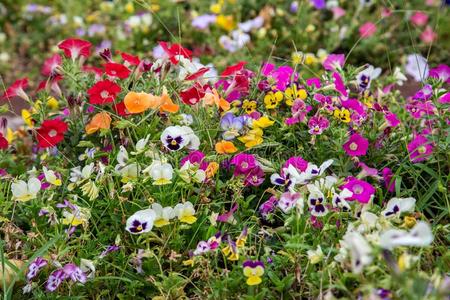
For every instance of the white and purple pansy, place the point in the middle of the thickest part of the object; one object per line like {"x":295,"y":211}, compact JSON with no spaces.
{"x":396,"y":206}
{"x":365,"y":77}
{"x":339,"y":199}
{"x":141,"y":221}
{"x":35,"y":267}
{"x":316,"y":201}
{"x":177,"y":137}
{"x":231,"y":125}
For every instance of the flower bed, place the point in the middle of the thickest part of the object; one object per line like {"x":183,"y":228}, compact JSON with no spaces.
{"x":160,"y":179}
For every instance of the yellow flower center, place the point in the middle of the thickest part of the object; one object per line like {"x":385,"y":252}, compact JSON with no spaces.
{"x":353,"y":146}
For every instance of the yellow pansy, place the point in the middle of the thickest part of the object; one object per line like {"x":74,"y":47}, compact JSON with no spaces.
{"x":342,"y":114}
{"x":253,"y":270}
{"x":271,"y":99}
{"x":249,"y":106}
{"x":292,"y":93}
{"x":252,"y":138}
{"x":52,"y":103}
{"x":26,"y":116}
{"x":225,"y":22}
{"x":262,"y":122}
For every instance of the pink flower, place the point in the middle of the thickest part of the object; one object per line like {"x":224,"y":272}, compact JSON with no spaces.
{"x":50,"y":65}
{"x":386,"y":12}
{"x":367,"y":30}
{"x":17,"y":89}
{"x":419,"y":149}
{"x":441,"y":72}
{"x":339,"y":84}
{"x":333,"y":62}
{"x":318,"y":124}
{"x":356,"y":145}
{"x":297,"y":162}
{"x":389,"y":182}
{"x":362,"y":191}
{"x":228,"y":215}
{"x":444,"y":99}
{"x":243,"y":163}
{"x":366,"y":170}
{"x":428,"y":36}
{"x":391,"y":119}
{"x":419,"y":18}
{"x":338,"y":12}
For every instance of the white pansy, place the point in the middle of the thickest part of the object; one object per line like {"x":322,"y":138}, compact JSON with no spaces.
{"x":192,"y":173}
{"x":161,"y":173}
{"x":25,"y":191}
{"x":396,"y":206}
{"x":163,"y":215}
{"x":420,"y":235}
{"x":51,"y":177}
{"x":359,"y":249}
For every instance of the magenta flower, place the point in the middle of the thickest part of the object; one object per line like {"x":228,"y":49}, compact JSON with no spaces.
{"x":389,"y":182}
{"x":281,"y":75}
{"x":362,"y":190}
{"x":195,"y":157}
{"x":356,"y":145}
{"x":339,"y":84}
{"x":366,"y":170}
{"x":228,"y":215}
{"x":444,"y":99}
{"x":428,"y":36}
{"x":391,"y":119}
{"x":315,"y":81}
{"x":441,"y":72}
{"x":420,"y":149}
{"x":367,"y":30}
{"x":297,"y":162}
{"x":318,"y":124}
{"x":268,"y":207}
{"x":243,"y":163}
{"x":255,"y":177}
{"x":333,"y":62}
{"x":299,"y":111}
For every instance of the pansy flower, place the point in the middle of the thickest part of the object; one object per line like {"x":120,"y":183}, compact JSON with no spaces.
{"x":75,"y":273}
{"x":249,"y":106}
{"x":163,"y":215}
{"x":396,"y":206}
{"x":25,"y":191}
{"x":288,"y":201}
{"x":272,"y":99}
{"x":253,"y":270}
{"x":360,"y":250}
{"x":420,"y":235}
{"x":293,"y":93}
{"x":342,"y":114}
{"x":51,"y":177}
{"x":177,"y":137}
{"x":339,"y":199}
{"x":161,"y":173}
{"x":231,"y":125}
{"x":365,"y":77}
{"x":103,"y":92}
{"x":185,"y":212}
{"x":252,"y":138}
{"x":318,"y":124}
{"x":36,"y":265}
{"x":231,"y":250}
{"x":55,"y":279}
{"x":316,"y":201}
{"x":191,"y":172}
{"x":356,"y":145}
{"x":141,"y":221}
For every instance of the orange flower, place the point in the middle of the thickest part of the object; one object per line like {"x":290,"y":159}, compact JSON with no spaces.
{"x":140,"y":102}
{"x":212,"y":169}
{"x":167,"y":104}
{"x":214,"y":98}
{"x":99,"y":121}
{"x":224,"y":147}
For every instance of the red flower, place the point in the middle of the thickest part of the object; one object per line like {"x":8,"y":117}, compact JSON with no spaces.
{"x":175,"y":50}
{"x":74,"y":48}
{"x":3,"y":142}
{"x":234,"y":68}
{"x":97,"y":71}
{"x":120,"y":109}
{"x":192,"y":95}
{"x":117,"y":70}
{"x":17,"y":89}
{"x":50,"y":84}
{"x":130,"y":59}
{"x":103,"y":92}
{"x":51,"y":133}
{"x":50,"y":65}
{"x":197,"y":74}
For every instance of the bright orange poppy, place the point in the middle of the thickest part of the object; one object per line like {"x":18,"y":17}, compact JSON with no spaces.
{"x":225,"y":147}
{"x":101,"y":120}
{"x":139,"y":102}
